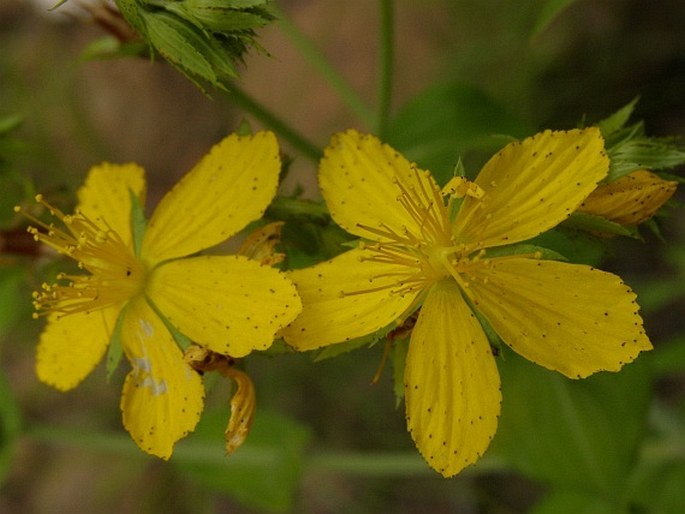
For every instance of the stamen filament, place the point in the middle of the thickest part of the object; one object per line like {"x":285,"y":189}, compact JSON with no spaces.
{"x":114,"y":274}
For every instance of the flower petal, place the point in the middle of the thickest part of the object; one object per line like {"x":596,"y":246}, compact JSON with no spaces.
{"x":532,"y":186}
{"x":106,"y":195}
{"x":631,"y":199}
{"x":452,"y":387}
{"x":71,"y":346}
{"x":566,"y":317}
{"x":358,"y":176}
{"x":227,"y":189}
{"x":162,"y":397}
{"x":229,"y":304}
{"x":344,"y":298}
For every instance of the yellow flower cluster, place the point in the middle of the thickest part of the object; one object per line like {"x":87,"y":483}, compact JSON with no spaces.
{"x":140,"y":294}
{"x":448,"y":254}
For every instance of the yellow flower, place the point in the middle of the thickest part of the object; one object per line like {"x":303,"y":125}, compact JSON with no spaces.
{"x":630,"y":200}
{"x":417,"y":250}
{"x":137,"y":290}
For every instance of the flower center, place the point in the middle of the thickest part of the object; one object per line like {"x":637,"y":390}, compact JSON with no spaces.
{"x":428,"y":253}
{"x":113,"y":276}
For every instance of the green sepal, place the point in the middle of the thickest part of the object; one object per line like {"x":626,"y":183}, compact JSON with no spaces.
{"x":598,"y":225}
{"x":116,"y":348}
{"x":615,"y":122}
{"x":454,"y":203}
{"x":629,"y":149}
{"x":181,"y":339}
{"x":400,"y":348}
{"x":347,"y":346}
{"x":643,"y":153}
{"x":138,"y":222}
{"x":525,"y":248}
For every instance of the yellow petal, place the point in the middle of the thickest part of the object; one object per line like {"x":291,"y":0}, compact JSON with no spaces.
{"x":631,"y":199}
{"x":363,"y":180}
{"x":162,"y":397}
{"x":566,"y":317}
{"x":452,"y":387}
{"x":229,"y":304}
{"x":227,"y":189}
{"x":71,"y":346}
{"x":106,"y":196}
{"x":532,"y":186}
{"x":345,"y":298}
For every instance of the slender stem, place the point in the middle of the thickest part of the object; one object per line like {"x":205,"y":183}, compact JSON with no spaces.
{"x":288,"y":133}
{"x":330,"y":74}
{"x":374,"y":464}
{"x":386,"y":61}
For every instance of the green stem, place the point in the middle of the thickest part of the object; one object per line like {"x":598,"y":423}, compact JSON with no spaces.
{"x":329,"y":73}
{"x":285,"y":131}
{"x":373,"y":464}
{"x":386,"y":58}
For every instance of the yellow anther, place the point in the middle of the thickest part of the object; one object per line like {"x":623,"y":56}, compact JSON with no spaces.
{"x":459,"y":187}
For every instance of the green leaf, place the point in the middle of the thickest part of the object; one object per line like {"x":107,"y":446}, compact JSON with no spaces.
{"x":131,"y":11}
{"x":580,"y":435}
{"x":202,"y":38}
{"x":262,"y":474}
{"x":184,"y":46}
{"x":445,"y":122}
{"x":549,"y":11}
{"x":218,"y":15}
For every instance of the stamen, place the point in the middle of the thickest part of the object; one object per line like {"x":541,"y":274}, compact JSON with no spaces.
{"x":459,"y":187}
{"x":114,"y":273}
{"x":430,"y":215}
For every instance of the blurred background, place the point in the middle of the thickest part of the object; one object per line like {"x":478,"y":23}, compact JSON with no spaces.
{"x":65,"y":453}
